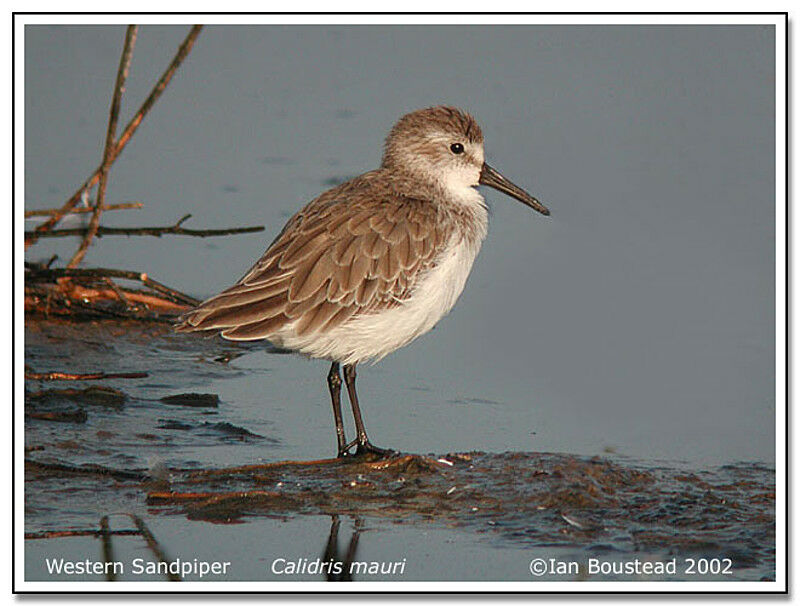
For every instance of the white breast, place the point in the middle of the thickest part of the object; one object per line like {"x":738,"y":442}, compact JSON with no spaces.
{"x":373,"y":336}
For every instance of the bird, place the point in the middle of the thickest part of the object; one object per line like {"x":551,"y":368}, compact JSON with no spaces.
{"x":373,"y":263}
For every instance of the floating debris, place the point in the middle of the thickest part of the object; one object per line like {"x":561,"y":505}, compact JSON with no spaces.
{"x":68,"y":376}
{"x":60,"y":416}
{"x":101,"y":396}
{"x":175,"y":425}
{"x":230,"y":430}
{"x":196,"y":400}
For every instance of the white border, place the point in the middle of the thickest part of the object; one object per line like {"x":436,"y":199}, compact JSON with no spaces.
{"x":780,"y":583}
{"x":402,"y":19}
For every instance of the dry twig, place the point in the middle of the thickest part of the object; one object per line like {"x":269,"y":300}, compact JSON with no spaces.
{"x":124,"y":138}
{"x":76,"y":301}
{"x":35,"y":273}
{"x":95,"y":376}
{"x":51,"y":212}
{"x":176,"y":229}
{"x":111,"y":133}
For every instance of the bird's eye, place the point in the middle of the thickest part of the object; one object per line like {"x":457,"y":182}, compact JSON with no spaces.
{"x":457,"y":148}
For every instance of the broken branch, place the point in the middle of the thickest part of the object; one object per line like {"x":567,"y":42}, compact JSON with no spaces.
{"x":34,"y":274}
{"x":146,"y":231}
{"x":50,"y":212}
{"x":94,"y":376}
{"x":108,"y":153}
{"x":125,"y":137}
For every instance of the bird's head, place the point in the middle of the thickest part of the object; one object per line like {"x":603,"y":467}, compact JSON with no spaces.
{"x":444,"y":146}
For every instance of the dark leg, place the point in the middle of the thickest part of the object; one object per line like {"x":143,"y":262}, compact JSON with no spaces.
{"x":363,"y":443}
{"x":335,"y":387}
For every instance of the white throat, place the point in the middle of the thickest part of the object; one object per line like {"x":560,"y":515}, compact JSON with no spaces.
{"x":461,"y":187}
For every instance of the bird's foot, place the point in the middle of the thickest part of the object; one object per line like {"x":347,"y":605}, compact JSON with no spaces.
{"x":363,"y":449}
{"x":366,"y":447}
{"x":344,"y":450}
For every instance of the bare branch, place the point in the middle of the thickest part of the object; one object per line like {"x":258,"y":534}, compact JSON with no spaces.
{"x":111,"y":133}
{"x":147,"y":231}
{"x":162,"y":83}
{"x":67,"y":376}
{"x":51,"y":212}
{"x":126,"y":135}
{"x":37,"y":274}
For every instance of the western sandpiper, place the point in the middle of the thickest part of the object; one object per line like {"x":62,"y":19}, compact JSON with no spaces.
{"x":372,"y":264}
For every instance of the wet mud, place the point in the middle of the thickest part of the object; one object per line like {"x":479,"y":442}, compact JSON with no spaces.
{"x":85,"y":446}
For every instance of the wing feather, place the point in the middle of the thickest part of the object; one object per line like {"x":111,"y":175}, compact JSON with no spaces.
{"x":246,"y":314}
{"x":256,"y":330}
{"x":366,"y":291}
{"x":295,"y":310}
{"x":317,"y":318}
{"x":359,"y":269}
{"x":304,"y":246}
{"x":336,"y":258}
{"x":312,"y":275}
{"x":346,"y":249}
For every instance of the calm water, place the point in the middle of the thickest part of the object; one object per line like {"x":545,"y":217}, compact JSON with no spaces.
{"x":447,"y":516}
{"x":638,"y":320}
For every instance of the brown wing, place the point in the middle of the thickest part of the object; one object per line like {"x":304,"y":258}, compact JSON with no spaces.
{"x":332,"y":261}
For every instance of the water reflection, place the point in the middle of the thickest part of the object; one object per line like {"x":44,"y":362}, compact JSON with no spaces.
{"x":341,"y":569}
{"x":207,"y":468}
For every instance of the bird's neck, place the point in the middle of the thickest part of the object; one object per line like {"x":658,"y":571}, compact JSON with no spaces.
{"x":453,"y":192}
{"x":456,"y":202}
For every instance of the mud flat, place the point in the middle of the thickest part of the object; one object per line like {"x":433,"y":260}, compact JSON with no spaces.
{"x":109,"y":478}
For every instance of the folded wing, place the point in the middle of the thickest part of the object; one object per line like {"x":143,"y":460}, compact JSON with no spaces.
{"x":332,"y":261}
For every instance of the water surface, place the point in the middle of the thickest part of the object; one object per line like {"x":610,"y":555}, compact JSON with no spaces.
{"x":210,"y":479}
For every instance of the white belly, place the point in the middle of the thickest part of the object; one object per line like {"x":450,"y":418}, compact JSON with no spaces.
{"x":373,"y":336}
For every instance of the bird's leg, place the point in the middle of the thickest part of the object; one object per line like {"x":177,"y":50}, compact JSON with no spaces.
{"x":363,"y":444}
{"x":335,"y":387}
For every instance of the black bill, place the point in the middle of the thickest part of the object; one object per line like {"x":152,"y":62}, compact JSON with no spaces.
{"x":492,"y":178}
